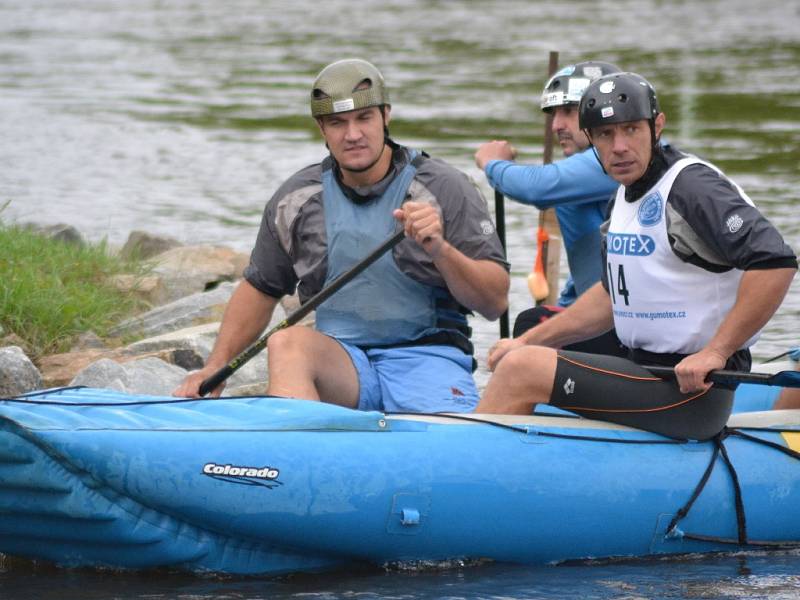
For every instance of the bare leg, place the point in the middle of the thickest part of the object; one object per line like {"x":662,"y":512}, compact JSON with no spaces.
{"x":522,"y":378}
{"x":304,"y":363}
{"x":789,"y":398}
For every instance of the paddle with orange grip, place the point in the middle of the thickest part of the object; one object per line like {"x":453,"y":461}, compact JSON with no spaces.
{"x":538,"y":284}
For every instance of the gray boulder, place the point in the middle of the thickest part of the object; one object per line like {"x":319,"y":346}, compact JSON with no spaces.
{"x":89,"y":340}
{"x":189,"y":311}
{"x":18,"y":375}
{"x":150,"y":376}
{"x":149,"y":288}
{"x":143,"y":245}
{"x":60,"y":232}
{"x":186,"y":270}
{"x":194,"y":344}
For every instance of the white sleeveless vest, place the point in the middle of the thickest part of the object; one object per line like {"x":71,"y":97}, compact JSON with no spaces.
{"x":662,"y":304}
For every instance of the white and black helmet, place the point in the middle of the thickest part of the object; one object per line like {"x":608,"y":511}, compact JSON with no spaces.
{"x":568,"y":84}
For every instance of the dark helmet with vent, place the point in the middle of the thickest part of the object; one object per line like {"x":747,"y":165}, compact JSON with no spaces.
{"x":617,"y":98}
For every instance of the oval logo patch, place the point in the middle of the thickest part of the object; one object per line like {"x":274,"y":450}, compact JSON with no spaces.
{"x":650,"y":210}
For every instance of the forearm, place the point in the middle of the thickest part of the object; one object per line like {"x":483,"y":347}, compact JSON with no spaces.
{"x":588,"y":317}
{"x":246,"y":316}
{"x":494,"y":150}
{"x":759,"y":295}
{"x":480,"y":285}
{"x":521,"y":183}
{"x":574,"y":180}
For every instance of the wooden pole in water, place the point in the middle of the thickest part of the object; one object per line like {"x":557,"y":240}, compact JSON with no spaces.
{"x":543,"y":280}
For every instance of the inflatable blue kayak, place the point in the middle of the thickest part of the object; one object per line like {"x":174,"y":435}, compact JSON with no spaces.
{"x":263,"y":485}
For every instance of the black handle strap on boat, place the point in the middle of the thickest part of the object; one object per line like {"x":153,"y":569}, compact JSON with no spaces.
{"x":684,"y":510}
{"x":741,"y":519}
{"x":295,"y":317}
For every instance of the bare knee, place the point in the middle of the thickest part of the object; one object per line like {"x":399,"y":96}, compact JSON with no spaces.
{"x":522,"y":378}
{"x":528,"y":362}
{"x":304,"y":363}
{"x":291,"y":354}
{"x":286,"y":341}
{"x":789,"y":399}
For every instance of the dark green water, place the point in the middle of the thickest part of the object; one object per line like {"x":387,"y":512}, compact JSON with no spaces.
{"x":181,"y":117}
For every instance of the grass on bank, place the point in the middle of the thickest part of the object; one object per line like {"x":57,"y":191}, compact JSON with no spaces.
{"x":52,"y":291}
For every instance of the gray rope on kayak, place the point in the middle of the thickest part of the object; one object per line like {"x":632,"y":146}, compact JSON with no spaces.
{"x":741,"y":518}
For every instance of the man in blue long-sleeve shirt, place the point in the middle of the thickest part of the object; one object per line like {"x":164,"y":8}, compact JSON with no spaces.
{"x":577,"y":187}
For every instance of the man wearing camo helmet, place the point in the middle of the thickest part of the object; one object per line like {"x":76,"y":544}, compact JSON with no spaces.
{"x":396,"y":338}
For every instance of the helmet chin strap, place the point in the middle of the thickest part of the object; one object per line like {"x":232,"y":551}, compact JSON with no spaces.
{"x":653,"y":134}
{"x":597,"y":156}
{"x":655,"y":149}
{"x":594,"y":150}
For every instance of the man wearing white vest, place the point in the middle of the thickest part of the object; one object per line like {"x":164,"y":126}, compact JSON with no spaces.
{"x":693,"y":272}
{"x":396,"y":337}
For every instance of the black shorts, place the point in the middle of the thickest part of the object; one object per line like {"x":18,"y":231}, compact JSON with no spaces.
{"x":610,"y":388}
{"x":602,"y":344}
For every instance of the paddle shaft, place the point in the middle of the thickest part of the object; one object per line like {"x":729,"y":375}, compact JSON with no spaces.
{"x":781,"y":379}
{"x":541,"y":270}
{"x":793,"y":351}
{"x":500,"y":217}
{"x":295,"y":317}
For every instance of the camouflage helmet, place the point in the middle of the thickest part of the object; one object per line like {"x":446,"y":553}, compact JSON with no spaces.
{"x":335,"y":88}
{"x":618,"y":98}
{"x":568,"y":84}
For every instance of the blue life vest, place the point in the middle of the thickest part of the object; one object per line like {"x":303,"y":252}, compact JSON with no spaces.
{"x":382,"y":306}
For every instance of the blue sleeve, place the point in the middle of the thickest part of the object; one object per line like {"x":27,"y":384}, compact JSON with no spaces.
{"x":577,"y":179}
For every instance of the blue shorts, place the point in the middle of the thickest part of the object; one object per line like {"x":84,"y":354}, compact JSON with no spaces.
{"x":416,"y":379}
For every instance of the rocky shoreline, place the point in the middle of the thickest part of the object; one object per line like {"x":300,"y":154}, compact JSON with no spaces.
{"x":187,"y":290}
